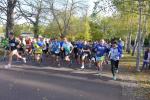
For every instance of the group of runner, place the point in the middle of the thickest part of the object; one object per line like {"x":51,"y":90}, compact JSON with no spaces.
{"x":82,"y":52}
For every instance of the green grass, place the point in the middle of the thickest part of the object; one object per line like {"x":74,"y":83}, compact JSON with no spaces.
{"x":142,"y":78}
{"x":129,"y":61}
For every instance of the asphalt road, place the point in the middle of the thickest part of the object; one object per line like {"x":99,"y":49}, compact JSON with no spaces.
{"x":22,"y":84}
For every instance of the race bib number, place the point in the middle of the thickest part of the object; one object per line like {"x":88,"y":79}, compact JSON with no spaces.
{"x":12,"y":44}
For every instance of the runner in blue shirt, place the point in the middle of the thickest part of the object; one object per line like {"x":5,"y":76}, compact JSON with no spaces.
{"x":77,"y":47}
{"x":67,"y":47}
{"x":55,"y":50}
{"x":120,"y":48}
{"x":100,"y":55}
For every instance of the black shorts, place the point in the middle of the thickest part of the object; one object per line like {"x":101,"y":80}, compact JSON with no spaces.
{"x":56,"y":54}
{"x":88,"y":55}
{"x":45,"y":51}
{"x":21,"y":50}
{"x":62,"y":54}
{"x":76,"y":55}
{"x":6,"y":48}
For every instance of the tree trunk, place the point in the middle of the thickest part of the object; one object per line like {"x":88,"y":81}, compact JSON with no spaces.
{"x":36,"y":30}
{"x":135,"y":46}
{"x":10,"y":16}
{"x":139,"y":37}
{"x":144,"y":33}
{"x":36,"y":24}
{"x":130,"y":33}
{"x":128,"y":43}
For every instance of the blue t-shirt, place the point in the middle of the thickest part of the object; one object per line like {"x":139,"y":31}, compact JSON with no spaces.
{"x":79,"y":45}
{"x":55,"y":47}
{"x":100,"y":50}
{"x":40,"y":43}
{"x":61,"y":43}
{"x":120,"y":49}
{"x":94,"y":47}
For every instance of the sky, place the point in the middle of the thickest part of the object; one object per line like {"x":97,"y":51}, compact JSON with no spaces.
{"x":90,"y":4}
{"x":105,"y":4}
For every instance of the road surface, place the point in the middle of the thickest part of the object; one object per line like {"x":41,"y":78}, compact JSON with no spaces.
{"x":31,"y":84}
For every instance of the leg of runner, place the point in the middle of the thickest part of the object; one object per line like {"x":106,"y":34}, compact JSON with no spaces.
{"x":67,"y":58}
{"x":101,"y":66}
{"x":9,"y":60}
{"x":19,"y":56}
{"x":12,"y":53}
{"x":38,"y":57}
{"x":89,"y":60}
{"x":5,"y":54}
{"x":97,"y":66}
{"x":99,"y":63}
{"x":113,"y":69}
{"x":76,"y":57}
{"x":83,"y":61}
{"x":116,"y":66}
{"x":90,"y":63}
{"x":83,"y":58}
{"x":58,"y":60}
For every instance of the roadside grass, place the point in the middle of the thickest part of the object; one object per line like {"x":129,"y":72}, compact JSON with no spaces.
{"x":128,"y":62}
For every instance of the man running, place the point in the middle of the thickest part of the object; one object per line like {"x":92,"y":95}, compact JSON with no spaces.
{"x":85,"y":53}
{"x":13,"y":43}
{"x":67,"y":47}
{"x":100,"y":50}
{"x":77,"y":48}
{"x":55,"y":50}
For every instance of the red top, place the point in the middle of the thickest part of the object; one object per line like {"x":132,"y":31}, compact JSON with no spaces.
{"x":28,"y":42}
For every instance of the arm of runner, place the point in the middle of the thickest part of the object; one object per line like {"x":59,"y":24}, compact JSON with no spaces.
{"x":109,"y":54}
{"x":71,"y":48}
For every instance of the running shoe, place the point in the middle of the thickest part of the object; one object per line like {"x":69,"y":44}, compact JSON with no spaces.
{"x":7,"y":66}
{"x":24,"y":60}
{"x":114,"y":78}
{"x":82,"y":67}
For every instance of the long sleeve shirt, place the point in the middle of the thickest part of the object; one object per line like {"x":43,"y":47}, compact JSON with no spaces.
{"x":114,"y":54}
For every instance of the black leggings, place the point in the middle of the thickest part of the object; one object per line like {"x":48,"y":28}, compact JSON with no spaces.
{"x":114,"y":66}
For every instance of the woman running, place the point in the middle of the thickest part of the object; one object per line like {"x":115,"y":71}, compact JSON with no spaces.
{"x":114,"y":58}
{"x":13,"y":43}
